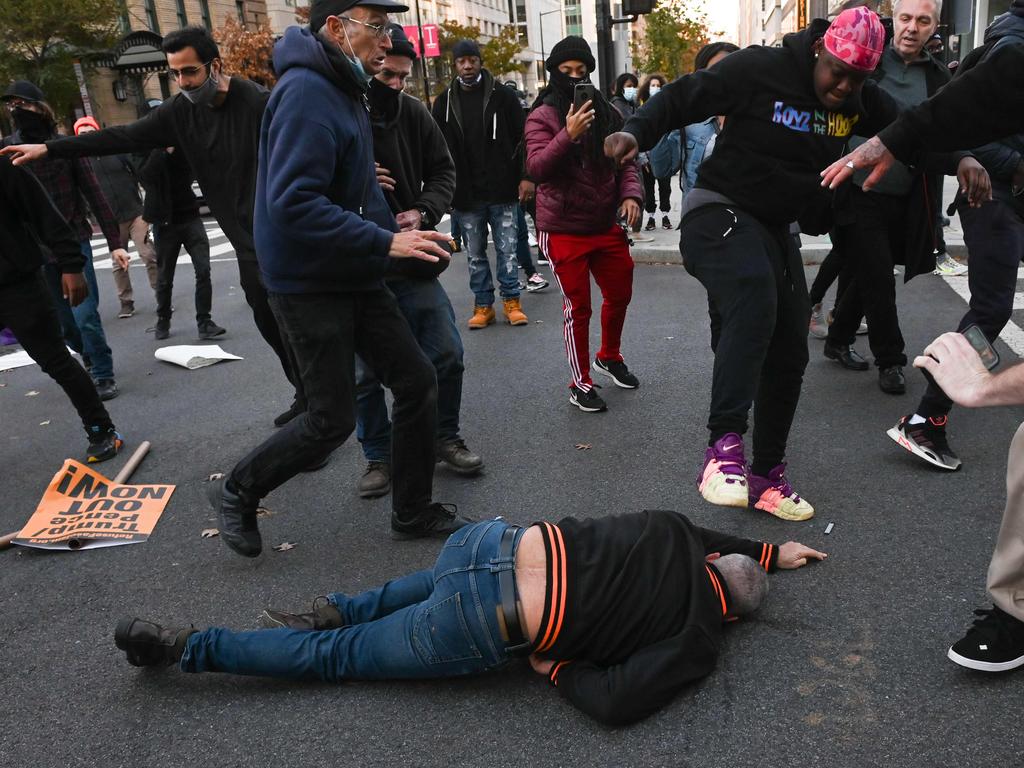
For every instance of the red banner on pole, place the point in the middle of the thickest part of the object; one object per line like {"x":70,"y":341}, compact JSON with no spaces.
{"x":431,"y":43}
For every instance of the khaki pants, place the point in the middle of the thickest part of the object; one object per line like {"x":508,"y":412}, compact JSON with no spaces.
{"x":138,"y":231}
{"x":1006,"y":571}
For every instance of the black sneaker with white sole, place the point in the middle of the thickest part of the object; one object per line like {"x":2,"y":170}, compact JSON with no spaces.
{"x":588,"y":401}
{"x":617,"y":372}
{"x":927,"y":440}
{"x":995,"y":643}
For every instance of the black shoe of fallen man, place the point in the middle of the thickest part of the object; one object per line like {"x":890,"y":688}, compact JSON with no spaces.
{"x":995,"y":643}
{"x":236,"y":518}
{"x":459,"y":458}
{"x":294,"y":410}
{"x":846,"y":356}
{"x":210,"y":330}
{"x":436,"y":520}
{"x":149,"y":645}
{"x":891,"y":380}
{"x":324,"y":615}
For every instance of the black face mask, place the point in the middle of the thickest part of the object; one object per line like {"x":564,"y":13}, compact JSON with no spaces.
{"x":383,"y":99}
{"x":33,"y":126}
{"x":565,"y":83}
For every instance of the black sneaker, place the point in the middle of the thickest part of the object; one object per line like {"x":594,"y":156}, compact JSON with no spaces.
{"x":995,"y":643}
{"x":104,"y":443}
{"x":162,"y":329}
{"x":666,"y":223}
{"x":437,"y":520}
{"x":617,"y":372}
{"x":325,"y":615}
{"x":149,"y":645}
{"x":210,"y":330}
{"x":459,"y":458}
{"x":588,"y":401}
{"x":891,"y":380}
{"x":927,"y":440}
{"x":650,"y":224}
{"x":106,"y":389}
{"x":236,"y":518}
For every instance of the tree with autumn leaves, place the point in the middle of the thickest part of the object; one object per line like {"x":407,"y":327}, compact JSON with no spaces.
{"x":673,"y":33}
{"x":247,"y":52}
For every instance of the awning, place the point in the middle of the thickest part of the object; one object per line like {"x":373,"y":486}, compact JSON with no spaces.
{"x":137,"y":53}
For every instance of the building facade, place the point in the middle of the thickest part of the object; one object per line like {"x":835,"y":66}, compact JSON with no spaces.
{"x":766,"y":22}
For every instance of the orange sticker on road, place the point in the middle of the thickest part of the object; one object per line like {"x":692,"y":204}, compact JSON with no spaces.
{"x":81,"y":508}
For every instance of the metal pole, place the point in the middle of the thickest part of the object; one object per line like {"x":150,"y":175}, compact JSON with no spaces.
{"x":543,"y":56}
{"x":423,"y":57}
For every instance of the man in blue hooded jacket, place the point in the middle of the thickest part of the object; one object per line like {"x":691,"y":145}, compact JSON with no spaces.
{"x":325,"y":237}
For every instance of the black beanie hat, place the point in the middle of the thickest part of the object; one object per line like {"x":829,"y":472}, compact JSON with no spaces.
{"x":466,"y":48}
{"x":572,"y":48}
{"x":400,"y":44}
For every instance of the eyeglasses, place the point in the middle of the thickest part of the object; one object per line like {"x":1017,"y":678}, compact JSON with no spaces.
{"x":177,"y":74}
{"x":13,"y":102}
{"x":380,"y":31}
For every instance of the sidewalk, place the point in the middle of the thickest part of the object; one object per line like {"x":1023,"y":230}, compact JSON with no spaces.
{"x":664,"y":249}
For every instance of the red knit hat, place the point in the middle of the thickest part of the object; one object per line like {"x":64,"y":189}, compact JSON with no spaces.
{"x":857,"y":38}
{"x":91,"y":121}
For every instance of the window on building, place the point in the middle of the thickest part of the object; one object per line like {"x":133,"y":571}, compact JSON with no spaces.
{"x":240,"y":8}
{"x":521,"y":23}
{"x":573,"y":18}
{"x":151,"y":20}
{"x":204,"y":8}
{"x":182,"y":14}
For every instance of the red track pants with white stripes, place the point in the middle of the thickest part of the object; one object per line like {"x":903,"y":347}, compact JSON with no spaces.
{"x":573,"y":259}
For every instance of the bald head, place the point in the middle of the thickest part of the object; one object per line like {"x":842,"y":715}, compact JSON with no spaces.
{"x":747,"y":582}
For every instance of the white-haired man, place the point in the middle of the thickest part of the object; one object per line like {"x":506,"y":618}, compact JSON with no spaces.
{"x":620,"y":613}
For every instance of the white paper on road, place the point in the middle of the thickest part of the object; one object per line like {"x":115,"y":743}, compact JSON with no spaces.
{"x":18,"y":359}
{"x":194,"y":356}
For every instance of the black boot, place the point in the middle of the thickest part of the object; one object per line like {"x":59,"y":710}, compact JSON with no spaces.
{"x":149,"y":645}
{"x":236,"y":518}
{"x":846,"y":356}
{"x":323,"y":616}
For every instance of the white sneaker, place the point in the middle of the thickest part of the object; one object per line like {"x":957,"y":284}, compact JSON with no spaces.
{"x":948,"y":266}
{"x":818,"y":327}
{"x":536,"y":283}
{"x":532,"y":240}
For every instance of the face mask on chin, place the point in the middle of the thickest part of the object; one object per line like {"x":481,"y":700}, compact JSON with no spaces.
{"x":204,"y":94}
{"x":31,"y":125}
{"x":354,"y":61}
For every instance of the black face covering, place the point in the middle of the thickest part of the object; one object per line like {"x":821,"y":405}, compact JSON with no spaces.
{"x":383,"y":99}
{"x":559,"y":94}
{"x":566,"y":84}
{"x":32,"y":126}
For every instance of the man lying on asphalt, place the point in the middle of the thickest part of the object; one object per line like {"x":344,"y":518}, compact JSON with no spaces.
{"x":620,"y":613}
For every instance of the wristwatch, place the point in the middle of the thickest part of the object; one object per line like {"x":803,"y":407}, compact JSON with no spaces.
{"x":425,"y":219}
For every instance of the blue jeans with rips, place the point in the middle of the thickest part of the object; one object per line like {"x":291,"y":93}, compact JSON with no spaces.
{"x":426,"y":307}
{"x":82,"y":327}
{"x":504,"y":227}
{"x":429,"y":624}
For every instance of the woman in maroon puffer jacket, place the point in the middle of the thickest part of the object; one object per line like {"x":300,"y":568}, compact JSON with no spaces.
{"x":580,"y":197}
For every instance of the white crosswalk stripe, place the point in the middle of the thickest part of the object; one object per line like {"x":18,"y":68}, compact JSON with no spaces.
{"x":1012,"y":335}
{"x":219,"y":246}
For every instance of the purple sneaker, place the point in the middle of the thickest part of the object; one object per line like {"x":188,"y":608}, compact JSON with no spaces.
{"x":774,"y":495}
{"x":723,"y":481}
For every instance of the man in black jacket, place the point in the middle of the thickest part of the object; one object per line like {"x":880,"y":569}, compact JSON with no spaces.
{"x":483,"y":122}
{"x":619,"y":613}
{"x":215,"y":121}
{"x":894,"y":222}
{"x":418,"y":177}
{"x":28,"y":217}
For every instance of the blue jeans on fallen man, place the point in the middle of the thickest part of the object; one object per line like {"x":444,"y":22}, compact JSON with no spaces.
{"x":429,"y":624}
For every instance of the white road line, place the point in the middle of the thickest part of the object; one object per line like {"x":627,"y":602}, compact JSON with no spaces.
{"x":99,"y":245}
{"x":1012,"y":334}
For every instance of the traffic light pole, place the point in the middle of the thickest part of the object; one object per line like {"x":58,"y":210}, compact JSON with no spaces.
{"x":605,"y":49}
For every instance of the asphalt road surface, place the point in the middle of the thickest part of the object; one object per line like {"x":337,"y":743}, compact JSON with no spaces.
{"x":845,"y":666}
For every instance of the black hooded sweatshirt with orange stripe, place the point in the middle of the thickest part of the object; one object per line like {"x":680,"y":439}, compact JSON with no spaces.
{"x":633,"y":611}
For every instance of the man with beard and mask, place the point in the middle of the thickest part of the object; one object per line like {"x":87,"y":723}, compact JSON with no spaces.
{"x":418,"y":177}
{"x":326,"y":239}
{"x":71,"y":185}
{"x":482,"y":121}
{"x":27,"y":218}
{"x":215,"y":122}
{"x":787,"y":110}
{"x":580,"y":195}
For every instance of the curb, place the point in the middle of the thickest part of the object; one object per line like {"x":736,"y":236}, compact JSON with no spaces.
{"x":812,"y":255}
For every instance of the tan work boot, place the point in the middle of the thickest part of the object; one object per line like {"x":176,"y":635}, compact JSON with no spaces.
{"x":514,"y":313}
{"x":482,"y":317}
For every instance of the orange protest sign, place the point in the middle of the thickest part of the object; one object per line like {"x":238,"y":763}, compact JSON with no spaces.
{"x":81,"y":508}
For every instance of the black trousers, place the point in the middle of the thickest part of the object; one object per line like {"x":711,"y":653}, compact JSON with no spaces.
{"x":994,"y":235}
{"x":755,"y":280}
{"x":831,"y":268}
{"x":27,"y":309}
{"x":664,"y":191}
{"x":266,"y":323}
{"x":870,"y":245}
{"x":169,"y":240}
{"x":325,"y":332}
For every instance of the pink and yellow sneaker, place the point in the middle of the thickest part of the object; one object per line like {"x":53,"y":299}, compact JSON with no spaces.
{"x":774,"y":495}
{"x":723,"y":481}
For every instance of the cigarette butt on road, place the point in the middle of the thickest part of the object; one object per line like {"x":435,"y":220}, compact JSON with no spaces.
{"x":828,"y":528}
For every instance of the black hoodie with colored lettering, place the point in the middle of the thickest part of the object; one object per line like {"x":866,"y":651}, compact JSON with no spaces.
{"x":777,"y":135}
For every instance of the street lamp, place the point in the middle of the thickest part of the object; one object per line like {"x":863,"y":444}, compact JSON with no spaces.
{"x":543,"y":55}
